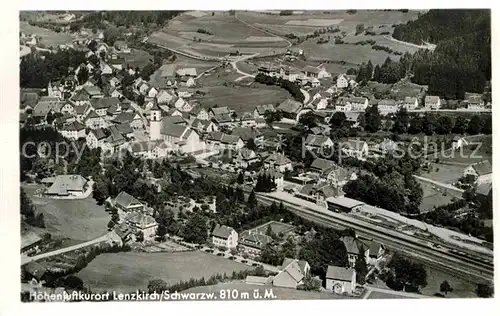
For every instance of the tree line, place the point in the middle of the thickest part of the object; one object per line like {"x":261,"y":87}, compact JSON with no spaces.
{"x":289,"y":86}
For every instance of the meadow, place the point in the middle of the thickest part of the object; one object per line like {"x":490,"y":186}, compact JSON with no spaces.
{"x":125,"y":272}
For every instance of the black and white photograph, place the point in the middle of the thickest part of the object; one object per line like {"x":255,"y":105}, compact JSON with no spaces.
{"x":255,"y":155}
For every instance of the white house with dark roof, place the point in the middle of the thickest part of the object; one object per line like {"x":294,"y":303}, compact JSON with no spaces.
{"x":278,"y":161}
{"x":68,"y":185}
{"x":94,"y":121}
{"x":340,"y":279}
{"x":482,"y":171}
{"x":74,"y":130}
{"x":410,"y":103}
{"x":140,"y":222}
{"x":260,"y":110}
{"x":252,"y":243}
{"x":290,"y":108}
{"x":292,"y":273}
{"x":222,"y":141}
{"x":474,"y":101}
{"x":216,"y":111}
{"x":387,"y":106}
{"x":96,"y":138}
{"x":101,"y":105}
{"x":432,"y":102}
{"x":458,"y":142}
{"x":358,"y":103}
{"x":127,"y":203}
{"x":199,"y":113}
{"x":246,"y":157}
{"x":224,"y":236}
{"x":355,"y":148}
{"x":134,"y":119}
{"x":317,"y":142}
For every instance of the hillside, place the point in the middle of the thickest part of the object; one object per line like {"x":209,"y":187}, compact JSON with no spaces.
{"x":461,"y":61}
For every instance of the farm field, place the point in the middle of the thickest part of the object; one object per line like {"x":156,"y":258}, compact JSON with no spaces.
{"x":382,"y":295}
{"x":125,"y":272}
{"x":220,"y":89}
{"x":445,"y":173}
{"x":79,"y":220}
{"x":48,"y":37}
{"x":280,"y":293}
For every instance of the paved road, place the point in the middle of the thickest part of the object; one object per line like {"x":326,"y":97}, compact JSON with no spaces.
{"x":26,"y":259}
{"x":370,"y":289}
{"x":429,"y":46}
{"x":441,"y":184}
{"x":307,"y":97}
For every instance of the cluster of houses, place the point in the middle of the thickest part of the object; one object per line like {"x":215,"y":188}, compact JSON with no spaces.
{"x":293,"y":272}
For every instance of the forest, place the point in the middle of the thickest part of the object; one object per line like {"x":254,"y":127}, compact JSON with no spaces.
{"x":461,"y":61}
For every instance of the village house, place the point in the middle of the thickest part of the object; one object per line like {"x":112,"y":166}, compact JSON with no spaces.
{"x":68,"y":185}
{"x":74,"y":130}
{"x":224,"y":119}
{"x":386,"y":147}
{"x":189,"y":72}
{"x":260,"y":110}
{"x":432,"y":102}
{"x":358,"y":103}
{"x":246,"y":133}
{"x":474,"y":101}
{"x":290,"y":108}
{"x":204,"y":126}
{"x":199,"y":113}
{"x":222,"y":141}
{"x":216,"y":111}
{"x":181,"y":138}
{"x":134,"y":119}
{"x":410,"y":103}
{"x":342,"y":81}
{"x":482,"y":171}
{"x":376,"y":252}
{"x":164,"y":97}
{"x":63,"y":120}
{"x":292,"y":273}
{"x":225,"y":237}
{"x":85,"y":94}
{"x":247,"y":120}
{"x":96,"y":137}
{"x":140,"y":222}
{"x":343,"y":105}
{"x":252,"y":243}
{"x":128,"y":203}
{"x":316,"y":72}
{"x":55,"y":89}
{"x":184,"y":92}
{"x":387,"y":106}
{"x":355,"y":148}
{"x":319,"y":103}
{"x":182,"y":105}
{"x":278,"y":161}
{"x":340,"y":280}
{"x":246,"y":157}
{"x":318,"y":143}
{"x":30,"y":243}
{"x":46,"y":106}
{"x":115,"y":141}
{"x":93,"y":120}
{"x":101,"y":105}
{"x":355,"y":248}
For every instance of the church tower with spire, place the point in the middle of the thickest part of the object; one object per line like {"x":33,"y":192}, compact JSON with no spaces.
{"x":155,"y":122}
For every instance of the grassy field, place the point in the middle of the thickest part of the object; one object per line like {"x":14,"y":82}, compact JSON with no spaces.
{"x":276,"y":227}
{"x":221,"y":89}
{"x":432,"y":197}
{"x":461,"y":288}
{"x":381,"y":295}
{"x":137,"y":58}
{"x":48,"y":37}
{"x":79,"y":220}
{"x":126,"y":272}
{"x":445,"y":173}
{"x":279,"y":293}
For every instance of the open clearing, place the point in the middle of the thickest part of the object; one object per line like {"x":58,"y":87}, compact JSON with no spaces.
{"x":432,"y":197}
{"x":126,"y":272}
{"x":242,"y":98}
{"x":48,"y":37}
{"x":382,"y":295}
{"x":280,"y":293}
{"x":137,"y":58}
{"x":315,"y":22}
{"x":461,"y":288}
{"x":79,"y":220}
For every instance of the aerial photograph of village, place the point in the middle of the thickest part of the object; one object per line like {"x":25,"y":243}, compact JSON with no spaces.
{"x":255,"y":155}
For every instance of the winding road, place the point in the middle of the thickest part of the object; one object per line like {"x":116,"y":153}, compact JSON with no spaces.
{"x":26,"y":259}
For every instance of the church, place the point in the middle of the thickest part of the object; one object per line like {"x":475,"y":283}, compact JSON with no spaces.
{"x":178,"y":138}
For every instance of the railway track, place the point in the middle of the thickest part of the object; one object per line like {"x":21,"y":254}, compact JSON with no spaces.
{"x":420,"y":250}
